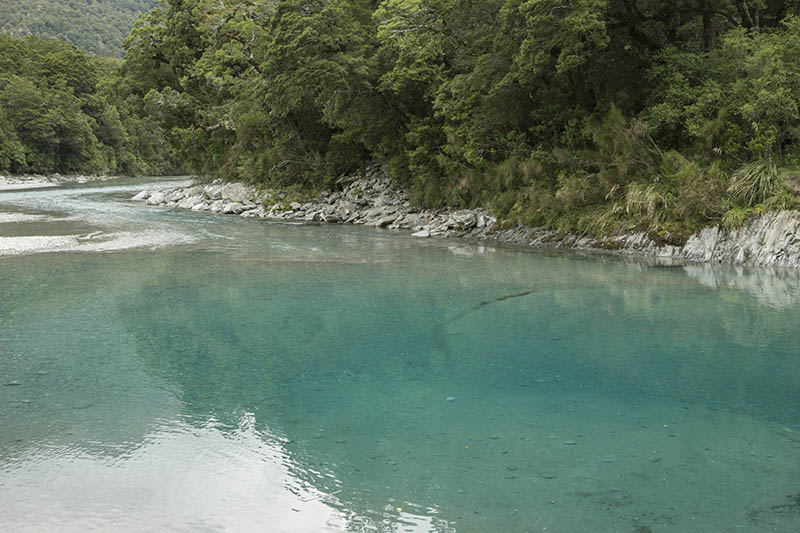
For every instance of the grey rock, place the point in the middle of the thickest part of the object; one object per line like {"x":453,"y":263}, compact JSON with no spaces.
{"x":375,"y":213}
{"x":386,"y":199}
{"x":213,"y":191}
{"x":174,"y":196}
{"x":385,"y":221}
{"x":461,"y":220}
{"x":258,"y":212}
{"x":156,"y":198}
{"x":238,"y":193}
{"x":234,"y":208}
{"x":195,"y":190}
{"x":144,"y":195}
{"x":190,"y":202}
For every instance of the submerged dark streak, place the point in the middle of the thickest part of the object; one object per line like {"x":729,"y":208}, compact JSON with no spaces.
{"x":508,"y":297}
{"x":483,"y":304}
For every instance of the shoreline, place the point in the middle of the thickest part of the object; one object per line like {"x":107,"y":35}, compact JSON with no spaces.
{"x":40,"y":181}
{"x":772,"y":239}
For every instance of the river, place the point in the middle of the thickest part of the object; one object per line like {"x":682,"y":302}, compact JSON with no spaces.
{"x":171,"y":370}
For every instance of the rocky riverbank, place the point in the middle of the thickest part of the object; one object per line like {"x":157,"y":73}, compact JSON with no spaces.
{"x":772,"y":239}
{"x":370,"y":201}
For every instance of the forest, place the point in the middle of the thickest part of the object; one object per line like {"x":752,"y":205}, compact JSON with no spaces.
{"x":96,"y":26}
{"x":63,"y":110}
{"x":590,"y":116}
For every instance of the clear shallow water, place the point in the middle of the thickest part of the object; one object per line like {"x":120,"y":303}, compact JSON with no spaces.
{"x":165,"y":369}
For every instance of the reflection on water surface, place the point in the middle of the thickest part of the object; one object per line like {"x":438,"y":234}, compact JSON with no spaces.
{"x":211,"y":372}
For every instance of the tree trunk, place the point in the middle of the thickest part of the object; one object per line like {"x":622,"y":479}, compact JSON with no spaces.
{"x":744,"y":12}
{"x":708,"y":31}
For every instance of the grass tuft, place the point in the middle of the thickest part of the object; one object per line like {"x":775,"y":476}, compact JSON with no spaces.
{"x":755,"y":182}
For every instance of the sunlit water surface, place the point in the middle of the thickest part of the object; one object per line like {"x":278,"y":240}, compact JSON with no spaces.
{"x":162,"y":369}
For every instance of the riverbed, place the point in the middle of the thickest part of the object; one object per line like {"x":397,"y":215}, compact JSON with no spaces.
{"x":168,"y":369}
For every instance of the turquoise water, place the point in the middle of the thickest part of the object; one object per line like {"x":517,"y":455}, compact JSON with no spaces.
{"x":171,"y":370}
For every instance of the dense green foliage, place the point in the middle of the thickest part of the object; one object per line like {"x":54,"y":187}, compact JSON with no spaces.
{"x":588,"y":115}
{"x":97,"y":26}
{"x":62,"y":110}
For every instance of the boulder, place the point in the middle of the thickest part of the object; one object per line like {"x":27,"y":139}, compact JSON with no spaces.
{"x":258,"y":212}
{"x":144,"y":195}
{"x":234,"y":208}
{"x":190,"y":202}
{"x":214,"y":192}
{"x":156,"y":198}
{"x":237,"y":192}
{"x":385,"y":221}
{"x":174,"y":196}
{"x":196,"y":190}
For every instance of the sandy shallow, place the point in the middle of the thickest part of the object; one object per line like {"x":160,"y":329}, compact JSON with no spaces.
{"x":20,"y":217}
{"x":41,"y":219}
{"x":10,"y":186}
{"x":37,"y":181}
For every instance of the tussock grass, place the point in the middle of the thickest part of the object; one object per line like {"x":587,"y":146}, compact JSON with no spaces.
{"x":755,"y":182}
{"x":645,"y":200}
{"x":735,"y":217}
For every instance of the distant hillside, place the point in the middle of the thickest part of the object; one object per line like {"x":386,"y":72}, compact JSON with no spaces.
{"x":97,"y":26}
